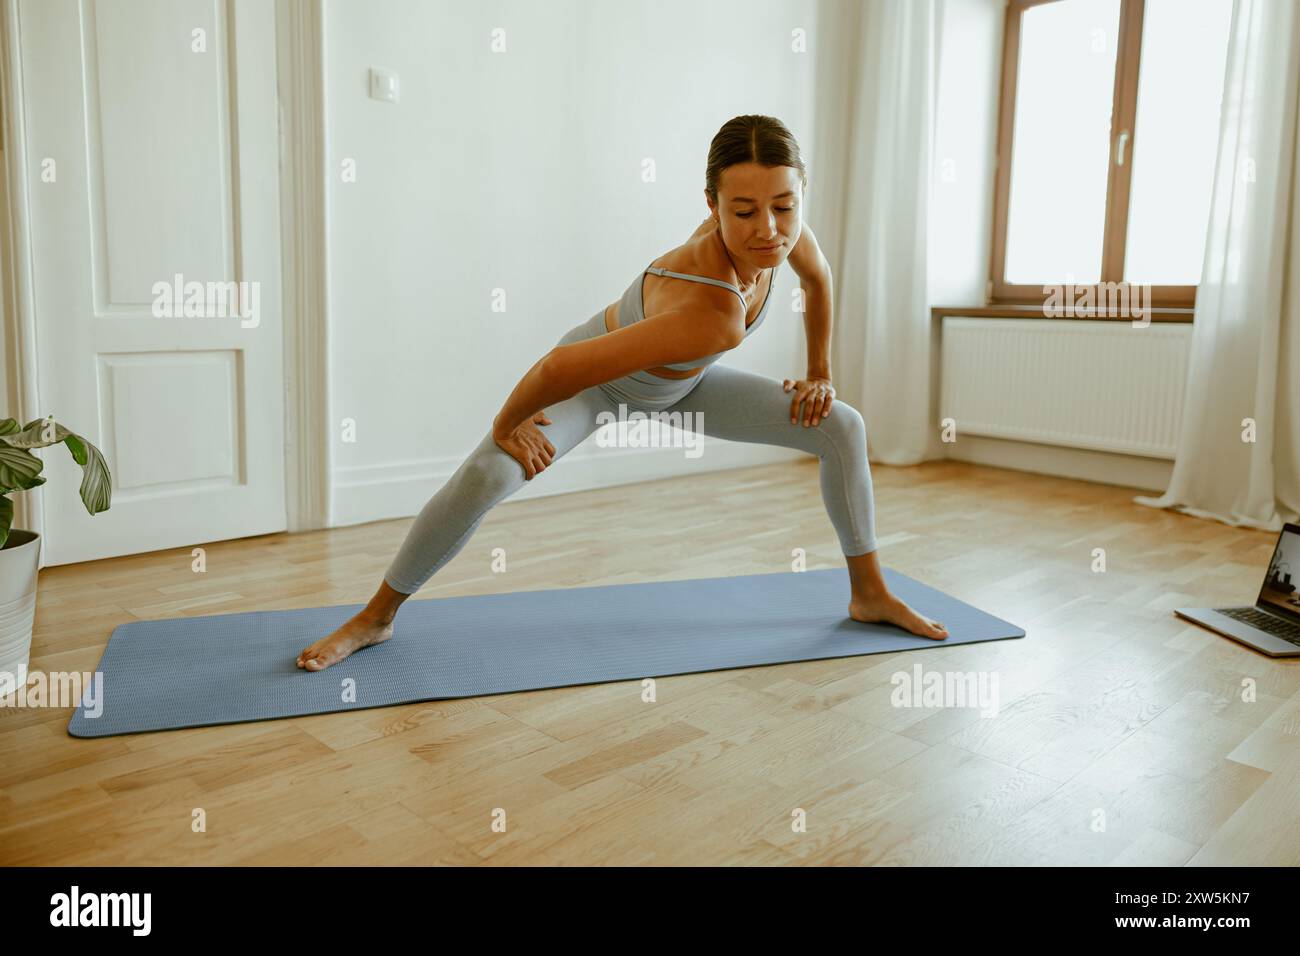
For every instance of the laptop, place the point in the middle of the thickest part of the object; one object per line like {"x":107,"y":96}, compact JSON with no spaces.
{"x":1272,"y":625}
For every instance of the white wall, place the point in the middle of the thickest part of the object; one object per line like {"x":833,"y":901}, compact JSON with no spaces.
{"x":522,"y":171}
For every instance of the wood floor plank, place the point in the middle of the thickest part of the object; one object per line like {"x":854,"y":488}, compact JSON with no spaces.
{"x":1122,"y":735}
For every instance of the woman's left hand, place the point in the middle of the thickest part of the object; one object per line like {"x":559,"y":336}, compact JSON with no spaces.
{"x":816,"y":394}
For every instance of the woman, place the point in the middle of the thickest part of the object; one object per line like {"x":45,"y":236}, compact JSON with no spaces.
{"x":654,"y":350}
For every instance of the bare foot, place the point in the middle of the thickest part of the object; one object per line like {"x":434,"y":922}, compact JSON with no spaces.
{"x":357,"y":633}
{"x":888,"y":609}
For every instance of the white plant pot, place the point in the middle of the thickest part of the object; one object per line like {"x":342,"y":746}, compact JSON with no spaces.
{"x":18,"y":563}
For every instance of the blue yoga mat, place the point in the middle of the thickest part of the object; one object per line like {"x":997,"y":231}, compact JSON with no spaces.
{"x":233,"y":668}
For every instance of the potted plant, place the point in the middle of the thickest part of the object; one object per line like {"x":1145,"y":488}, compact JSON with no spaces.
{"x":20,"y":549}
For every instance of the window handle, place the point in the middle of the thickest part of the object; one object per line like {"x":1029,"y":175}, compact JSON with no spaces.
{"x":1119,"y":148}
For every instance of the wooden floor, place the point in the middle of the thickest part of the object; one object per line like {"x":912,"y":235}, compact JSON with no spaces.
{"x":1122,"y":737}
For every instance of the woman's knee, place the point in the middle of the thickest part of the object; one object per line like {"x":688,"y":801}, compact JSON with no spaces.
{"x":490,"y":473}
{"x":845,"y":427}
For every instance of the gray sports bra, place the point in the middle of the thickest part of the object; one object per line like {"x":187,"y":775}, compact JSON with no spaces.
{"x":631,"y":308}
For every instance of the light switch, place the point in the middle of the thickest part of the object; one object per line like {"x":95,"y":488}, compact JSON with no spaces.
{"x":383,"y":85}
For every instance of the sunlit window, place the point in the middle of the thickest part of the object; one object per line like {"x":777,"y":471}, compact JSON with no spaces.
{"x":1184,"y":52}
{"x":1109,"y":144}
{"x":1058,"y":169}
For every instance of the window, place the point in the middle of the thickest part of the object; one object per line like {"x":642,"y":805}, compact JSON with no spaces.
{"x":1107,"y":136}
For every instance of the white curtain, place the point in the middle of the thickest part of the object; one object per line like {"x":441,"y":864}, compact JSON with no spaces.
{"x":1245,"y":361}
{"x":885,"y":362}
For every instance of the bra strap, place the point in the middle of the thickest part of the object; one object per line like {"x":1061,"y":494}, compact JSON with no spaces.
{"x":682,"y":275}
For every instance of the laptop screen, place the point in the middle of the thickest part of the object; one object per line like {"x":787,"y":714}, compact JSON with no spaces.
{"x":1281,"y":590}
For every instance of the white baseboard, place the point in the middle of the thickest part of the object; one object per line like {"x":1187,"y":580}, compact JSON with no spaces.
{"x":1107,"y":468}
{"x":399,"y":490}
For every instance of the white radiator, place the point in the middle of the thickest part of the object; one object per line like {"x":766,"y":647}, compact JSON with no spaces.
{"x":1102,"y":385}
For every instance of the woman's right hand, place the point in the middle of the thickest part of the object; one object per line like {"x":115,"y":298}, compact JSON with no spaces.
{"x":528,"y":445}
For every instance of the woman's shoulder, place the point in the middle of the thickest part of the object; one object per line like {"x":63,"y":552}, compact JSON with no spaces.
{"x":699,"y":256}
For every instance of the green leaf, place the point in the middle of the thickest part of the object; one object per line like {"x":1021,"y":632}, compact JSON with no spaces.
{"x":33,"y":435}
{"x":96,"y":482}
{"x":18,"y":468}
{"x":6,"y":519}
{"x":32,"y":483}
{"x":78,"y":448}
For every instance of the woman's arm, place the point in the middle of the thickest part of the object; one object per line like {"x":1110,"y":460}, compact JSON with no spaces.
{"x":814,"y":274}
{"x":671,"y":337}
{"x":529,"y":397}
{"x":549,"y":381}
{"x":817,"y":327}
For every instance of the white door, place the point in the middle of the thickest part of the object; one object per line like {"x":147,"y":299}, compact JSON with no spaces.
{"x":152,"y":163}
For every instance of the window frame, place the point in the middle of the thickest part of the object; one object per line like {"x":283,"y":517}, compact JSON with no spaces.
{"x":1118,"y":178}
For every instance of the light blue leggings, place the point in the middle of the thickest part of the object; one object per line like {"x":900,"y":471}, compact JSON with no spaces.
{"x":729,"y":403}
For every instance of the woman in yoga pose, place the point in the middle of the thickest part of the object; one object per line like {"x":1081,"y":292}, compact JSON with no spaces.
{"x":655,"y":350}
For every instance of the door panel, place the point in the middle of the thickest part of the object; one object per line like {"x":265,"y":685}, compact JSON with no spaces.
{"x":160,"y":117}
